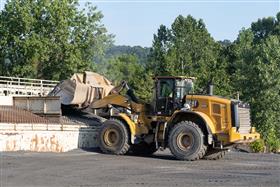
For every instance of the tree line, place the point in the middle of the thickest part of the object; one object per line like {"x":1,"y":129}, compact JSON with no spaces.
{"x":52,"y":39}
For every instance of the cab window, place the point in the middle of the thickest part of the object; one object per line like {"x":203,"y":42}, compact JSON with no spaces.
{"x":166,"y":88}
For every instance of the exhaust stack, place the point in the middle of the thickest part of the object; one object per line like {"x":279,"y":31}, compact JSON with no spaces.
{"x":211,"y":89}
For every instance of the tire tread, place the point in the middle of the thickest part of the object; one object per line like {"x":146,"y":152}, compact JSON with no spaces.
{"x":126,"y":145}
{"x":203,"y":147}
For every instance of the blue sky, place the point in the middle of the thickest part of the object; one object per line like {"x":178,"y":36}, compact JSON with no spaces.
{"x":133,"y":22}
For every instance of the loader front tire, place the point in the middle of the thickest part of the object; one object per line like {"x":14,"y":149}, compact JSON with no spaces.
{"x":113,"y":137}
{"x":186,"y":141}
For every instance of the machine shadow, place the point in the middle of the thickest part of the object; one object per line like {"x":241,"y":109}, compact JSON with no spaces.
{"x":154,"y":156}
{"x":160,"y":156}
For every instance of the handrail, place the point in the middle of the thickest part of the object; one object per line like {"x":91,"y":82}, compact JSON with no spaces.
{"x":19,"y":78}
{"x":25,"y":83}
{"x":22,"y":86}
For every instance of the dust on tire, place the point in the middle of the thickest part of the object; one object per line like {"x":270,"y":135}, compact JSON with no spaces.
{"x":106,"y":140}
{"x":184,"y":130}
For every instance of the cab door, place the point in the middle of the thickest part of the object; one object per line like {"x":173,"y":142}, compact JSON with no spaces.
{"x":165,"y":96}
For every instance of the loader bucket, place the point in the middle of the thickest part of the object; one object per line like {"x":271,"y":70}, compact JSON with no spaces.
{"x":82,"y":89}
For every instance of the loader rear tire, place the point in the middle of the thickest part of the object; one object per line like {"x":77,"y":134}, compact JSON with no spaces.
{"x":186,"y":141}
{"x":114,"y":137}
{"x":213,"y":154}
{"x":143,"y":149}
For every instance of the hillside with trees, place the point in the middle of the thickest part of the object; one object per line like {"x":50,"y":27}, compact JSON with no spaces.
{"x":53,"y":39}
{"x":118,"y":50}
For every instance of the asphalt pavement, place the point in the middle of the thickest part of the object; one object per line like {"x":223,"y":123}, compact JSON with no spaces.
{"x":90,"y":168}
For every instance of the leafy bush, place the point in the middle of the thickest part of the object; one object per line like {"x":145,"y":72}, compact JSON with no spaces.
{"x":273,"y":142}
{"x":258,"y":146}
{"x":274,"y":146}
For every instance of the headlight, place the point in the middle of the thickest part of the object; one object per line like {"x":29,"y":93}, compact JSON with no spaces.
{"x":186,"y":106}
{"x":134,"y":118}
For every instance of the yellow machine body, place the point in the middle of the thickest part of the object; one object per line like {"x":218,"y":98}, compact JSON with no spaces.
{"x":217,"y":114}
{"x":214,"y":112}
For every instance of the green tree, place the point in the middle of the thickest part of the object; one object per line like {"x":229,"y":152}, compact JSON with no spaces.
{"x":195,"y":50}
{"x":265,"y":27}
{"x":49,"y":39}
{"x":158,"y":55}
{"x":188,"y":49}
{"x":127,"y":67}
{"x":257,"y":77}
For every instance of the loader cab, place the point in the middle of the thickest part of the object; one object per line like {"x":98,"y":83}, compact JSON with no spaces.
{"x":170,"y":92}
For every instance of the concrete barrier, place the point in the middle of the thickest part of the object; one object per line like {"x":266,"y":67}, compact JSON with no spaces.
{"x":21,"y":130}
{"x":46,"y":137}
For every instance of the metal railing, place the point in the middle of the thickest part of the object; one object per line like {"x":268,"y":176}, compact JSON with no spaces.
{"x":10,"y":86}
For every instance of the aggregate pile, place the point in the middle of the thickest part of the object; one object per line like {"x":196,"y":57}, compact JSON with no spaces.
{"x":10,"y":114}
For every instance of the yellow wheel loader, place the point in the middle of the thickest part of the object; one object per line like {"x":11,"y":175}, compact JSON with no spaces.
{"x":191,"y":126}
